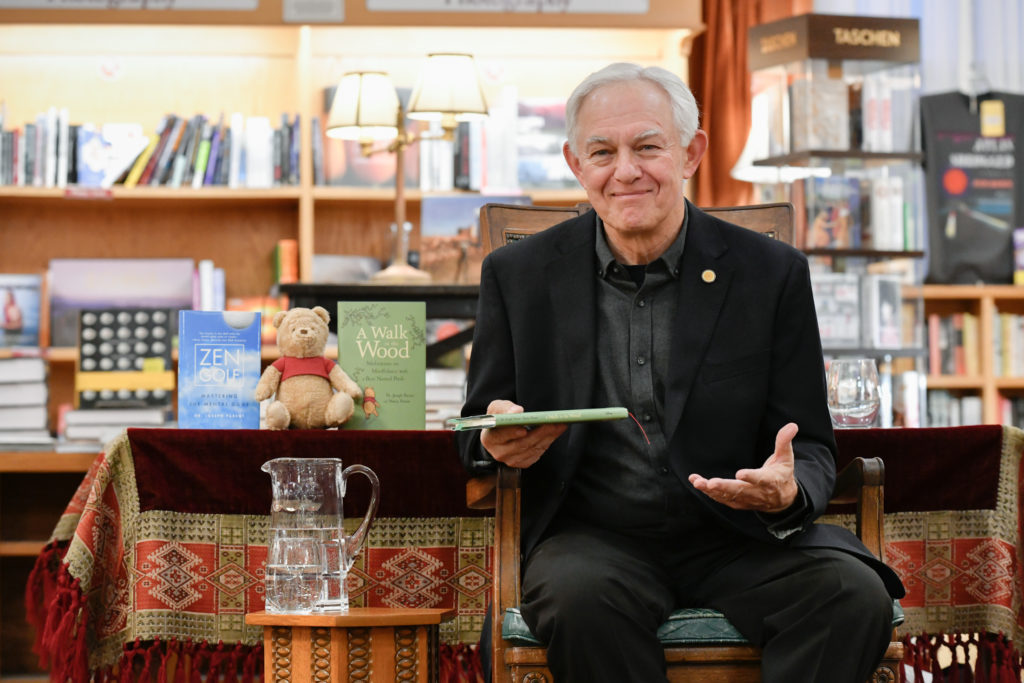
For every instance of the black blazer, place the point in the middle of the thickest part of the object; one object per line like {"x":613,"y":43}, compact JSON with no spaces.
{"x":747,"y":360}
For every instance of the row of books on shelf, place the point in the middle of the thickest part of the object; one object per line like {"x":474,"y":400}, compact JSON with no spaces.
{"x":879,"y":213}
{"x":517,"y":146}
{"x":1008,"y":342}
{"x":946,"y":409}
{"x":872,"y":114}
{"x":197,"y":151}
{"x":862,"y":310}
{"x":954,"y":345}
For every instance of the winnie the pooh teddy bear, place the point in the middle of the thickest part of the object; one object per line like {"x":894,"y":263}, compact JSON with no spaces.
{"x":312,"y":391}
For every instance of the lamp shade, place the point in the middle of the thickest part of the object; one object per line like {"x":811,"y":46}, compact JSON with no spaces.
{"x":365,"y":107}
{"x":448,"y":90}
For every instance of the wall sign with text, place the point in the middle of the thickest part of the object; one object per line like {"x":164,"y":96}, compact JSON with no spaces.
{"x":552,"y":6}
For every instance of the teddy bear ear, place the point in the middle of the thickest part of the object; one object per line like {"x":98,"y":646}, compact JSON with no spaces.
{"x":322,"y":312}
{"x":279,"y":318}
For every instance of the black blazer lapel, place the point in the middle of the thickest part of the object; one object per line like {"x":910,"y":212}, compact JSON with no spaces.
{"x":572,"y":293}
{"x":703,"y":284}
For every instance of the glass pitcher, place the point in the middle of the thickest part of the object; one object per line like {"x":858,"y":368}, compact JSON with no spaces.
{"x":307,"y":521}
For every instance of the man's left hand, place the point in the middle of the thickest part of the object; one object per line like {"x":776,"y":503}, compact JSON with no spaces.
{"x":769,"y":488}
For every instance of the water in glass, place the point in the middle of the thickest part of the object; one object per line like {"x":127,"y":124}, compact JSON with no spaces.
{"x":853,"y":398}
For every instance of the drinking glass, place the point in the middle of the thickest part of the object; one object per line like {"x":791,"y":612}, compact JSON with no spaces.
{"x":853,"y":397}
{"x":293,"y":575}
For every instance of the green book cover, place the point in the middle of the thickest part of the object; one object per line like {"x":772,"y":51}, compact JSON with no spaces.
{"x":383,"y":347}
{"x":529,"y":419}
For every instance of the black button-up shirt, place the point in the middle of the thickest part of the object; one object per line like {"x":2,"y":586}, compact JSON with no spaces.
{"x":623,"y":482}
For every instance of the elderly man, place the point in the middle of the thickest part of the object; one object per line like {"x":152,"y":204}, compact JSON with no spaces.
{"x":707,"y":333}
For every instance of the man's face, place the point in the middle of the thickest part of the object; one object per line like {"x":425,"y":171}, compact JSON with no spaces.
{"x":630,"y":160}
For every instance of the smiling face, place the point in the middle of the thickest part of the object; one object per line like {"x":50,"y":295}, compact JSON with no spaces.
{"x":630,"y":160}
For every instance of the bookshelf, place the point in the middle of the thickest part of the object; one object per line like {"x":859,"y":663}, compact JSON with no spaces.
{"x":985,"y":302}
{"x":136,"y":65}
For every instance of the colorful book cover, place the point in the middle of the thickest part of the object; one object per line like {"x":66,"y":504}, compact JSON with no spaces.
{"x":20,"y":298}
{"x":382,"y":346}
{"x":77,"y":284}
{"x":218,"y":368}
{"x":834,"y":213}
{"x":124,"y":358}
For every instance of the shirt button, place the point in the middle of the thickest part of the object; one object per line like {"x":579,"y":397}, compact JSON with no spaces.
{"x":641,"y":303}
{"x":640,"y":360}
{"x":664,"y":470}
{"x":647,"y":417}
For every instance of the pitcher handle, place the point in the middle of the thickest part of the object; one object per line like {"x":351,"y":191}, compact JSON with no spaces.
{"x":354,"y":543}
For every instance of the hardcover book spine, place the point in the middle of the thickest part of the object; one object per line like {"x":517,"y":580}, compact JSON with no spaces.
{"x":164,"y":131}
{"x":215,"y":142}
{"x":202,"y":156}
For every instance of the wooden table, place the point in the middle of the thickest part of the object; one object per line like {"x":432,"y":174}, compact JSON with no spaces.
{"x":373,"y":644}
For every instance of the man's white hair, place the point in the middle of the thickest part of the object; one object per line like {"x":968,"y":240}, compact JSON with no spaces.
{"x":684,"y":107}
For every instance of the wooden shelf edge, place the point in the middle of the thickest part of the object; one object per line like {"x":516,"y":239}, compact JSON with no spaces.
{"x":21,"y":548}
{"x":937,"y":292}
{"x":955,"y":382}
{"x":156,"y":194}
{"x":44,"y":461}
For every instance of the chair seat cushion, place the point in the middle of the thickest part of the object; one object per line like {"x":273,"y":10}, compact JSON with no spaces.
{"x":689,"y":626}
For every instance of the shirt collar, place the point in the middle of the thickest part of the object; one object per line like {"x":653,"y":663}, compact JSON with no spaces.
{"x":672,"y":258}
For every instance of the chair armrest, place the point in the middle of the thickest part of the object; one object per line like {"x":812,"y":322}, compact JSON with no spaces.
{"x":482,"y":492}
{"x":862,"y":482}
{"x":860,"y":472}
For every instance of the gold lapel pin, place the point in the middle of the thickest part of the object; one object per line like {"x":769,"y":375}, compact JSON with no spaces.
{"x":708,"y":276}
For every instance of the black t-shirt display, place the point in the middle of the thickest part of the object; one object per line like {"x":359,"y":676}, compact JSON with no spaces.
{"x":975,"y":188}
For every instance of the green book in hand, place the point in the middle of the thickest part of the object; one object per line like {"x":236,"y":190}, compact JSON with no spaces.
{"x":539,"y":417}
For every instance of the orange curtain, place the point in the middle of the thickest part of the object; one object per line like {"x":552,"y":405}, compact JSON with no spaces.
{"x":721,"y":83}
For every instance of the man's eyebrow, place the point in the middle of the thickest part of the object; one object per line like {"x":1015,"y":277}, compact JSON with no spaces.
{"x":597,"y":140}
{"x":649,"y":133}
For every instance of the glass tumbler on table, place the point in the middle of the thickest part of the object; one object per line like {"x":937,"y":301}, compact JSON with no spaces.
{"x":853,"y":395}
{"x":293,"y":574}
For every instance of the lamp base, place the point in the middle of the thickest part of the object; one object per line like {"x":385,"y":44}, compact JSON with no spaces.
{"x":401,"y":273}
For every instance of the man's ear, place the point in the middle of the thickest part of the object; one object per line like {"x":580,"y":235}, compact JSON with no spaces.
{"x":573,"y":161}
{"x":695,"y":152}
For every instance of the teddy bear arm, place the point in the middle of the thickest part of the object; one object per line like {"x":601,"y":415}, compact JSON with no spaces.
{"x":269,"y":381}
{"x":342,"y":382}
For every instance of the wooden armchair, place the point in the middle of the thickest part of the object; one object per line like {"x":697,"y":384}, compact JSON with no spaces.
{"x":504,"y":223}
{"x":700,"y":644}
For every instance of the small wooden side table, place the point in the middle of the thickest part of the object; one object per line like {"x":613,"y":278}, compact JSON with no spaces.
{"x":371,"y":644}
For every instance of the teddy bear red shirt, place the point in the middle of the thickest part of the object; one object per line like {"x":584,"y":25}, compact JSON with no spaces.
{"x":291,"y":366}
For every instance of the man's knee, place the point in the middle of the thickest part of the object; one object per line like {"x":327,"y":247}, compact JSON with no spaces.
{"x":855,"y":593}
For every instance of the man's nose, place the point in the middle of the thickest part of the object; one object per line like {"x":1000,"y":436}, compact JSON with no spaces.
{"x":627,"y":167}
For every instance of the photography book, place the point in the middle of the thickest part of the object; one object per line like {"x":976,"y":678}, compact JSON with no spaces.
{"x":539,"y":417}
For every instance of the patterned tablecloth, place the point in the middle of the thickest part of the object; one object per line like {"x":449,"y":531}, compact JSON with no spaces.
{"x":165,"y":541}
{"x":166,"y":538}
{"x":952,"y":524}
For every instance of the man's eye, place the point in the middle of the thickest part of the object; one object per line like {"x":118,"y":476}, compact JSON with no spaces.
{"x":648,"y":148}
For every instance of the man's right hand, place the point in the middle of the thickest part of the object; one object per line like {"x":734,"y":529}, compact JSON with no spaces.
{"x":518,"y":447}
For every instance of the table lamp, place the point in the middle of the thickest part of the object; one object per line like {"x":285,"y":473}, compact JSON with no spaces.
{"x":366,"y":108}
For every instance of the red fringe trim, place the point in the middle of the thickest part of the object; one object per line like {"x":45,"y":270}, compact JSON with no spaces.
{"x":56,"y":607}
{"x":460,"y":663}
{"x":998,"y":661}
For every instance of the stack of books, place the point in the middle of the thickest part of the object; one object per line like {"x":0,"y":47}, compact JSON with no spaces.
{"x":24,"y":423}
{"x":445,"y":393}
{"x":89,"y":429}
